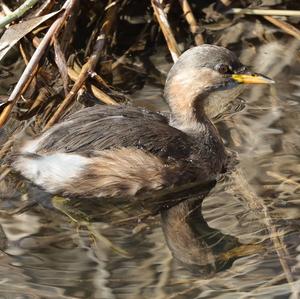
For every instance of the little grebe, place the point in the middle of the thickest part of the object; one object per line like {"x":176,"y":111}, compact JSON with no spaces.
{"x":122,"y":151}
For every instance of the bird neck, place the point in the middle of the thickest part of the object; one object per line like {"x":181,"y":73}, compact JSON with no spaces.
{"x":186,"y":93}
{"x":207,"y":142}
{"x":190,"y":117}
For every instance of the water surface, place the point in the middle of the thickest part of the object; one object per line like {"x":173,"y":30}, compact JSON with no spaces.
{"x":45,"y":255}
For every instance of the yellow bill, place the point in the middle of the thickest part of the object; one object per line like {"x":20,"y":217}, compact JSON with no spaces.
{"x":252,"y":79}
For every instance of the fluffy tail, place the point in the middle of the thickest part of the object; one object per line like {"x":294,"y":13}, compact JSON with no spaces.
{"x":51,"y":171}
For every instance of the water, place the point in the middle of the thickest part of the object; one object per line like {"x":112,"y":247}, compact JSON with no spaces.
{"x":45,"y":255}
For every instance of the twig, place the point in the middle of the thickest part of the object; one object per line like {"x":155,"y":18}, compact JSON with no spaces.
{"x":166,"y":29}
{"x":99,"y":94}
{"x":61,"y":63}
{"x":27,"y":75}
{"x":288,"y":28}
{"x":115,"y":97}
{"x":17,"y":13}
{"x":90,"y":65}
{"x":40,"y":99}
{"x":44,"y":8}
{"x":264,"y":12}
{"x":190,"y":18}
{"x":5,"y":9}
{"x":84,"y":74}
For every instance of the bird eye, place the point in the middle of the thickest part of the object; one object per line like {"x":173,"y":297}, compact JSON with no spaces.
{"x":223,"y":68}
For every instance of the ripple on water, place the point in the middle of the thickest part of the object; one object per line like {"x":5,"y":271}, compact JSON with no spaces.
{"x":45,"y":256}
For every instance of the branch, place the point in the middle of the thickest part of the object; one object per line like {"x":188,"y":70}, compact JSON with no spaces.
{"x":288,"y":28}
{"x":17,"y":13}
{"x":190,"y":18}
{"x":265,"y":12}
{"x":90,"y":65}
{"x":27,"y":75}
{"x":166,"y":29}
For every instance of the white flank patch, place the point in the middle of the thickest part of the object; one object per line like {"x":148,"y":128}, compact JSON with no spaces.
{"x":53,"y":171}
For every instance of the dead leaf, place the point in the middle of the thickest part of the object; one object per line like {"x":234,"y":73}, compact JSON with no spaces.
{"x":15,"y":32}
{"x":61,"y":64}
